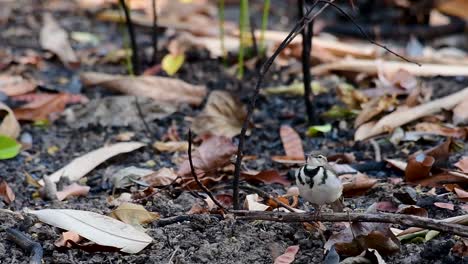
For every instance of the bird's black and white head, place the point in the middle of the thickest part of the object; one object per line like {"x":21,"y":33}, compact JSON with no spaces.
{"x":316,"y":160}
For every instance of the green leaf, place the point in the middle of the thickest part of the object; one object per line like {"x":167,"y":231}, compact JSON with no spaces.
{"x":9,"y":148}
{"x":431,"y":234}
{"x":172,"y":63}
{"x":314,"y":130}
{"x":339,"y":112}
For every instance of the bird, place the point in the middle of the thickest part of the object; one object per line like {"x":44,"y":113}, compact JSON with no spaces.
{"x":318,"y":183}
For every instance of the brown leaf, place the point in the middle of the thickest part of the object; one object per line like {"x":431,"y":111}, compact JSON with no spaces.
{"x":133,"y":214}
{"x":44,"y":97}
{"x":171,"y":146}
{"x":288,"y":160}
{"x":213,"y":153}
{"x":223,"y":115}
{"x":460,"y":248}
{"x":292,"y":142}
{"x":288,"y":257}
{"x":441,"y":152}
{"x":461,"y":194}
{"x":441,"y":130}
{"x":42,"y":109}
{"x":55,"y":39}
{"x":73,"y":190}
{"x":462,"y":164}
{"x":6,"y":192}
{"x":419,"y":167}
{"x":412,"y":210}
{"x":162,"y":177}
{"x":161,"y":89}
{"x":266,"y":176}
{"x":65,"y":237}
{"x":356,"y":184}
{"x":375,"y":107}
{"x":361,"y":236}
{"x":15,"y":85}
{"x":9,"y":126}
{"x":443,"y":178}
{"x":448,"y":206}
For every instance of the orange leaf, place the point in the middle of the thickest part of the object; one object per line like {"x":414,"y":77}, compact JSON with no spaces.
{"x":292,"y":143}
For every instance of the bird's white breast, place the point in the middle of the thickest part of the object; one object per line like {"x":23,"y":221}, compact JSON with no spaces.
{"x":323,"y":191}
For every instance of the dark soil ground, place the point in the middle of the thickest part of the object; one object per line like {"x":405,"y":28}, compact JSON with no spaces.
{"x":205,"y":239}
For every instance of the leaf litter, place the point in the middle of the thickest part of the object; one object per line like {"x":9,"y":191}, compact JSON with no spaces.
{"x":386,"y":96}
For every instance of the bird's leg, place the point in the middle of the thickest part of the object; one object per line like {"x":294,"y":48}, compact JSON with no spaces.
{"x":318,"y":209}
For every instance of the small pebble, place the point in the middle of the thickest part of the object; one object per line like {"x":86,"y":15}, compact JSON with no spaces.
{"x":26,"y":139}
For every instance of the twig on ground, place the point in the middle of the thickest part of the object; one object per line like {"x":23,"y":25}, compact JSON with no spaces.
{"x":33,"y":248}
{"x":182,"y":218}
{"x":131,"y":33}
{"x":265,"y":195}
{"x":195,"y":176}
{"x":173,"y":255}
{"x":378,"y":154}
{"x":148,"y":130}
{"x":407,"y":220}
{"x":307,"y":33}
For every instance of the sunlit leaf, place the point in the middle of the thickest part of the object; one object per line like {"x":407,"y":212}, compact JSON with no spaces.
{"x":9,"y":148}
{"x":314,"y":130}
{"x":172,"y":63}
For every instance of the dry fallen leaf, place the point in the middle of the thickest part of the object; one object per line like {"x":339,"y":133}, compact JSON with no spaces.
{"x":100,"y":229}
{"x":134,"y":214}
{"x":461,"y":194}
{"x":55,"y":39}
{"x":460,"y":113}
{"x":361,"y":236}
{"x":162,"y":177}
{"x":79,"y":167}
{"x":288,"y":257}
{"x":171,"y":146}
{"x":403,"y":116}
{"x":9,"y":126}
{"x":438,"y":129}
{"x":448,"y":206}
{"x":462,"y":164}
{"x":223,"y":115}
{"x":42,"y":109}
{"x":266,"y":176}
{"x":6,"y":192}
{"x":419,"y":167}
{"x":15,"y":85}
{"x":161,"y":89}
{"x":375,"y":107}
{"x":63,"y":241}
{"x":212,"y":154}
{"x":292,"y":142}
{"x":252,"y":203}
{"x":73,"y":189}
{"x":356,"y":184}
